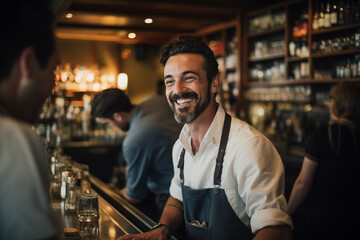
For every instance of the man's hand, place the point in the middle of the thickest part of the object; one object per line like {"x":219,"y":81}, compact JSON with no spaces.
{"x":161,"y":233}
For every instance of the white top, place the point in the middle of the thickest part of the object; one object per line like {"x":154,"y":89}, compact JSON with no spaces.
{"x":25,"y":210}
{"x":252,"y":175}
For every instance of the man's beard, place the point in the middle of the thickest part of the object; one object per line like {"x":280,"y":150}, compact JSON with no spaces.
{"x":181,"y":114}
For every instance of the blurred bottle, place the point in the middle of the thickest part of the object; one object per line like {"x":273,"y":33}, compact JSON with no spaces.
{"x":322,"y":15}
{"x":341,"y":17}
{"x":315,"y":23}
{"x":334,"y":14}
{"x":327,"y":15}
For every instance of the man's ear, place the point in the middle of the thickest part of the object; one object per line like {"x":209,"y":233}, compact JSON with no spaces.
{"x":216,"y":83}
{"x":28,"y":63}
{"x":117,"y":117}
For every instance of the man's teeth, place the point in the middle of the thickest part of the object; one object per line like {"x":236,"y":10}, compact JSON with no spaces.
{"x":183,"y":101}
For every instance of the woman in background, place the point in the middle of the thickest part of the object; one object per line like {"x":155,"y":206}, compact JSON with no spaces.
{"x":323,"y":198}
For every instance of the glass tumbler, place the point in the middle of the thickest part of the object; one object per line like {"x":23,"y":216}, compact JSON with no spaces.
{"x":88,"y":216}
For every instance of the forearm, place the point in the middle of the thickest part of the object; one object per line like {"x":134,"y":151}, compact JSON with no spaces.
{"x":282,"y":232}
{"x":297,"y":196}
{"x":173,"y":214}
{"x":172,"y":217}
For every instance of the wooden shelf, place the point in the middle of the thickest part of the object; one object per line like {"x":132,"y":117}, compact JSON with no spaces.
{"x":279,"y":101}
{"x":266,"y":32}
{"x":280,"y":83}
{"x":337,"y":53}
{"x":300,"y":82}
{"x":336,"y":29}
{"x":267,"y":57}
{"x":297,"y":59}
{"x":334,"y":80}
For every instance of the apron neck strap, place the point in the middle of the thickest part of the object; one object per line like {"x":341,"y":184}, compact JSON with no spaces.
{"x":222,"y":148}
{"x":220,"y":156}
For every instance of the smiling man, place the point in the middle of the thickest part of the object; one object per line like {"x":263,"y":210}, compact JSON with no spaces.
{"x":228,"y":178}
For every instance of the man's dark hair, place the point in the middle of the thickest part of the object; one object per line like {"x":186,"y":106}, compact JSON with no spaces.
{"x":25,"y":23}
{"x":191,"y":44}
{"x":110,"y":101}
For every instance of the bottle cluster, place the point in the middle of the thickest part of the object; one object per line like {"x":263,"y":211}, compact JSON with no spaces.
{"x":329,"y":14}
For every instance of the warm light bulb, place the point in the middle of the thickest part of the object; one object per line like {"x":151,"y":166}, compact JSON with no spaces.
{"x":148,"y":20}
{"x":131,"y":35}
{"x":69,"y":15}
{"x":122,"y":81}
{"x":96,"y":87}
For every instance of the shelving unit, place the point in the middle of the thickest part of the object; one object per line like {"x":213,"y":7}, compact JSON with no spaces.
{"x":294,"y":103}
{"x":224,"y":39}
{"x":313,"y":59}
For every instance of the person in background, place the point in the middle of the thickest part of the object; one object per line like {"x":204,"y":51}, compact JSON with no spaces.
{"x":28,"y":60}
{"x":323,"y":195}
{"x":228,"y":178}
{"x":151,"y":133}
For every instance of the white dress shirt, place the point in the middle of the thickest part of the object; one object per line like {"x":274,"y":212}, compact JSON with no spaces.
{"x":252,"y":175}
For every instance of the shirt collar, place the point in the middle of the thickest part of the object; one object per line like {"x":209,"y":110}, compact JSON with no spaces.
{"x":212,"y":136}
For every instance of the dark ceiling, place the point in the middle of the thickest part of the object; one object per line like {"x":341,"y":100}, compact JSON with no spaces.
{"x":112,"y":20}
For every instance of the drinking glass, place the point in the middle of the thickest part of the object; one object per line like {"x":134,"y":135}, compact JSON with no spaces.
{"x":88,"y":216}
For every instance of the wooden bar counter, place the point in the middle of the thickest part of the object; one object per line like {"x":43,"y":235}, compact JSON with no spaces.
{"x":117,"y":216}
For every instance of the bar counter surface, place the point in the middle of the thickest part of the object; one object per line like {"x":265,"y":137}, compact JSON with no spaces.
{"x":117,"y":216}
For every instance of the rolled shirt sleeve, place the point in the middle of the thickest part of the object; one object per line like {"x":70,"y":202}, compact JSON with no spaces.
{"x":261,"y":184}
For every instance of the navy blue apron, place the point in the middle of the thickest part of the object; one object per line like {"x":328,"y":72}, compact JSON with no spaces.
{"x":207,"y":212}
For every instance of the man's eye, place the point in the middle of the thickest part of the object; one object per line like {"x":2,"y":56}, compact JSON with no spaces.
{"x":189,"y":78}
{"x":168,"y":82}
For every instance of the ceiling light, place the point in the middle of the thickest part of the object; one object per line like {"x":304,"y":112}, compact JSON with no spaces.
{"x":131,"y":35}
{"x":148,"y":20}
{"x":69,"y":15}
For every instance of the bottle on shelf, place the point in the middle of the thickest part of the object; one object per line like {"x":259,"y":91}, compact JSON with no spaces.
{"x":341,"y":16}
{"x":347,"y":72}
{"x":357,"y":11}
{"x":298,"y":45}
{"x":357,"y":61}
{"x":354,"y":68}
{"x":321,"y":15}
{"x":327,"y":15}
{"x":334,"y":14}
{"x":315,"y":22}
{"x":347,"y":12}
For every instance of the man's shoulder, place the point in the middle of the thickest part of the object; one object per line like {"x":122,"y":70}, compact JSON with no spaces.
{"x":241,"y":129}
{"x":8,"y":124}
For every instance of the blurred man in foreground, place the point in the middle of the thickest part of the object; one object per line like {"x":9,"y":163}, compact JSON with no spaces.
{"x":28,"y":60}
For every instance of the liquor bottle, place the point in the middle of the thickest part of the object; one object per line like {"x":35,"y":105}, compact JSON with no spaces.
{"x":347,"y":71}
{"x":334,"y":14}
{"x":357,"y":60}
{"x":327,"y":15}
{"x":315,"y":22}
{"x":357,"y":11}
{"x":305,"y":20}
{"x":341,"y":16}
{"x":353,"y":11}
{"x":347,"y":12}
{"x":354,"y":68}
{"x":321,"y":15}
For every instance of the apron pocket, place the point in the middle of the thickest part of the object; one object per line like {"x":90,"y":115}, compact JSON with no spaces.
{"x":197,"y":208}
{"x":197,"y":232}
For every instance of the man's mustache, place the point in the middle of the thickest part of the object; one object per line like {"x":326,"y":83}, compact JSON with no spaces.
{"x":175,"y":96}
